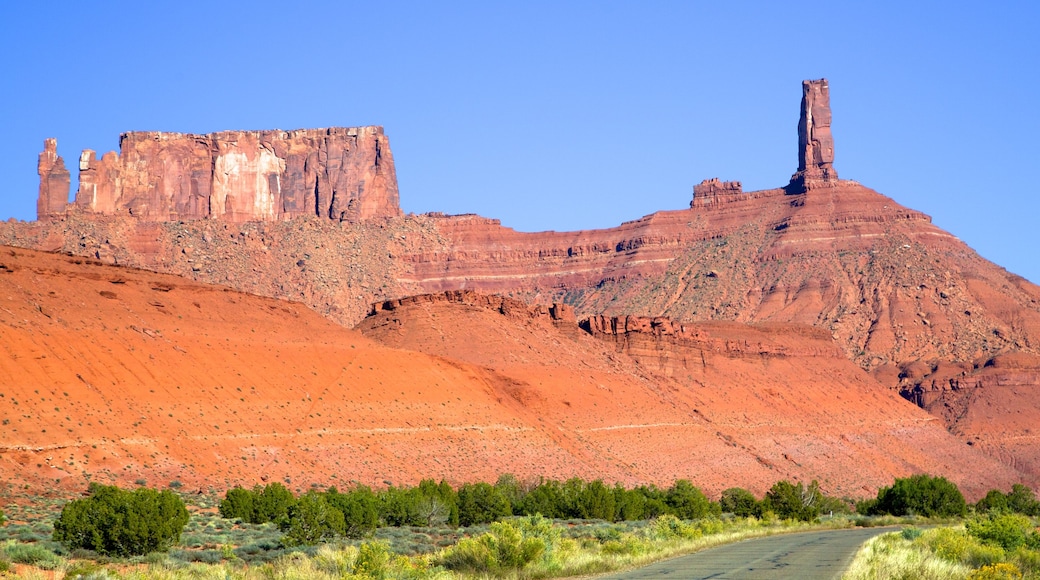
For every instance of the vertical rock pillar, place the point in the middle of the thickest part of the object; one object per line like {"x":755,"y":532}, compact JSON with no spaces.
{"x":54,"y":182}
{"x":815,"y":143}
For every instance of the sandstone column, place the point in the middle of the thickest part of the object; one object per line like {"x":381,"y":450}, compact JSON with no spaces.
{"x":54,"y":182}
{"x":815,"y":143}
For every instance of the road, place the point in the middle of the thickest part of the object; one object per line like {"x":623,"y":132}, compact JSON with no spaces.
{"x":808,"y":555}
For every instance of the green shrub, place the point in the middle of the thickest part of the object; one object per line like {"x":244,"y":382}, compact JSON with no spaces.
{"x":372,"y":560}
{"x":688,"y":502}
{"x":238,"y":504}
{"x":3,"y":518}
{"x":505,"y":547}
{"x":360,"y":509}
{"x":910,"y":534}
{"x":272,"y":503}
{"x":481,"y":503}
{"x":33,"y":555}
{"x":739,"y":502}
{"x":669,"y":527}
{"x":921,"y":495}
{"x":1009,"y":531}
{"x":114,"y":522}
{"x":1028,"y":561}
{"x":790,"y":501}
{"x":311,"y":520}
{"x":995,"y":500}
{"x":626,"y":545}
{"x":545,"y":499}
{"x":629,"y":504}
{"x":593,"y":501}
{"x":1022,"y":500}
{"x":5,"y":565}
{"x":84,"y":569}
{"x":947,"y":543}
{"x":979,"y":555}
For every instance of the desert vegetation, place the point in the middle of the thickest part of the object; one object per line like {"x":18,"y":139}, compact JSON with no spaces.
{"x":508,"y":529}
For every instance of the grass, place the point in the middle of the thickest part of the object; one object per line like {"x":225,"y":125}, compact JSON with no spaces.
{"x":942,"y":553}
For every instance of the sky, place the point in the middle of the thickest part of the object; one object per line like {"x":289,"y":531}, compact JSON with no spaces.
{"x":560,"y":115}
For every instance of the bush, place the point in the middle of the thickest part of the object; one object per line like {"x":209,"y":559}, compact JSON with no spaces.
{"x":545,"y":499}
{"x":372,"y":560}
{"x":1022,"y":500}
{"x":947,"y":543}
{"x":921,"y":495}
{"x":995,"y":500}
{"x":3,"y":518}
{"x":238,"y":504}
{"x":114,"y":522}
{"x":1003,"y":571}
{"x":669,"y":527}
{"x":790,"y":501}
{"x":272,"y":503}
{"x":503,"y":548}
{"x":33,"y":555}
{"x":360,"y":509}
{"x":312,"y":520}
{"x":688,"y":502}
{"x":481,"y":503}
{"x":1009,"y":531}
{"x":739,"y":502}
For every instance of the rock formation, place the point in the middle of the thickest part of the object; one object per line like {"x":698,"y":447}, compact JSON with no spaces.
{"x":815,"y":143}
{"x":54,"y":182}
{"x":343,"y":174}
{"x":890,"y":288}
{"x":712,"y":192}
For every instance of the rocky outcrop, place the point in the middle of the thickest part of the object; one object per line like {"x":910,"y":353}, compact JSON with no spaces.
{"x":559,"y":315}
{"x":54,"y":182}
{"x":342,"y":174}
{"x":712,"y":192}
{"x":815,"y":143}
{"x":674,"y":348}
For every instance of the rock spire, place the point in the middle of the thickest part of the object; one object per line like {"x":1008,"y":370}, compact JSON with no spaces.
{"x":815,"y":143}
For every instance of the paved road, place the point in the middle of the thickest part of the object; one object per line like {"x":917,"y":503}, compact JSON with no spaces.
{"x":808,"y":556}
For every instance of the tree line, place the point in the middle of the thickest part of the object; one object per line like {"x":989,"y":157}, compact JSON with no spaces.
{"x":112,"y":521}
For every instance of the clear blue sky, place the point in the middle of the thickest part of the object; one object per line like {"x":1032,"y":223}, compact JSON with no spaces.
{"x":561,"y":115}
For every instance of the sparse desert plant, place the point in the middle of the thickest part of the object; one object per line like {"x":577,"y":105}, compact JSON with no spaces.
{"x":33,"y":555}
{"x":505,"y":547}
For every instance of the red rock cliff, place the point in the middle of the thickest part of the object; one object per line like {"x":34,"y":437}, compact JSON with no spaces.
{"x":344,"y":174}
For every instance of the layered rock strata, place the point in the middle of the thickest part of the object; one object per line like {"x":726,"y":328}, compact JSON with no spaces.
{"x":342,"y":174}
{"x":712,"y":192}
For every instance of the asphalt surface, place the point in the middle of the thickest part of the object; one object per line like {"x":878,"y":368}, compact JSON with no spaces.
{"x":808,"y":555}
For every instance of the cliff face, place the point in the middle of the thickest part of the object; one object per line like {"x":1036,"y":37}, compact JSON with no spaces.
{"x":343,"y":174}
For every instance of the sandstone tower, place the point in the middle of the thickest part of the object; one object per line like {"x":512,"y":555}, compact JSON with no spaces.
{"x":815,"y":143}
